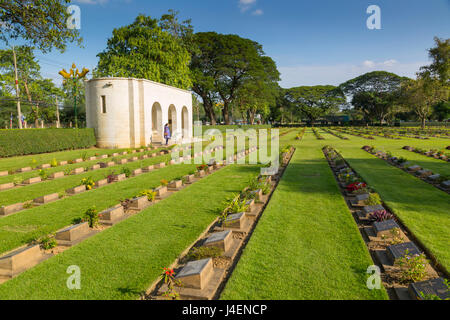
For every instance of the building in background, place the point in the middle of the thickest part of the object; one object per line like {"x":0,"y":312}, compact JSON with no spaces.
{"x":129,"y":113}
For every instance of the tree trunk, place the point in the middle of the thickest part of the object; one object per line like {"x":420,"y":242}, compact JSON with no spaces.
{"x":251,"y":117}
{"x":423,"y":120}
{"x":209,"y":110}
{"x":226,"y":116}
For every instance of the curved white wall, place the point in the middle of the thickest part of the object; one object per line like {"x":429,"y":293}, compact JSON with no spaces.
{"x":128,"y":118}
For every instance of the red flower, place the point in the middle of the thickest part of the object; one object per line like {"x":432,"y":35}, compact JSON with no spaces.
{"x":355,"y":186}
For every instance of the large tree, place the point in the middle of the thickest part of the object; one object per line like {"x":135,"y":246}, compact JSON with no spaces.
{"x":440,"y":65}
{"x":316,"y":101}
{"x":259,"y":91}
{"x":221,"y":65}
{"x":37,"y":92}
{"x":43,"y":23}
{"x":374,"y":94}
{"x":144,"y":50}
{"x":376,"y":106}
{"x":422,"y":94}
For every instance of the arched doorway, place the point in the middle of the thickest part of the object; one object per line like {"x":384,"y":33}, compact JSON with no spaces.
{"x":172,"y":120}
{"x":157,"y":126}
{"x":185,"y":122}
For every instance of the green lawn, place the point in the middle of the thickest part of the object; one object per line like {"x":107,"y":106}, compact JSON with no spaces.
{"x":306,"y":245}
{"x":123,"y":261}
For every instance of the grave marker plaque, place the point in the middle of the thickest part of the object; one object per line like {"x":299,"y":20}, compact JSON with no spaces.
{"x":384,"y":227}
{"x":12,"y":208}
{"x":220,"y":240}
{"x":6,"y":186}
{"x":57,"y":175}
{"x":435,"y":287}
{"x":369,"y":209}
{"x":47,"y":198}
{"x":196,"y":274}
{"x":399,"y":250}
{"x":32,"y":180}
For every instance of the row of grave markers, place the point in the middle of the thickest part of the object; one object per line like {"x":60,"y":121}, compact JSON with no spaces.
{"x":14,"y":208}
{"x":416,"y":170}
{"x":26,"y":257}
{"x":430,"y":153}
{"x":79,"y":170}
{"x":200,"y":279}
{"x":387,"y":237}
{"x":77,"y":160}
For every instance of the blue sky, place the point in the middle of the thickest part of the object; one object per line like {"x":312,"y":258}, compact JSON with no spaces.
{"x":312,"y":42}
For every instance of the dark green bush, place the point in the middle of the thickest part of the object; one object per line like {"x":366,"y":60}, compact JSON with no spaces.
{"x":18,"y":142}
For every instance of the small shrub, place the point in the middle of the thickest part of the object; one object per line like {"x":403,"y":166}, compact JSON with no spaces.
{"x":17,"y":180}
{"x":43,"y":174}
{"x":28,"y":205}
{"x":126,"y":171}
{"x":412,"y":267}
{"x":203,"y":253}
{"x":151,"y":195}
{"x":374,"y":199}
{"x":164,"y":182}
{"x":91,"y":216}
{"x":84,"y":156}
{"x":380,"y":215}
{"x":47,"y":243}
{"x":202,"y":167}
{"x":168,"y":276}
{"x":88,"y":182}
{"x":54,"y":163}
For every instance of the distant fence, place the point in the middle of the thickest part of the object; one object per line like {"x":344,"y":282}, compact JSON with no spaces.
{"x":224,"y":128}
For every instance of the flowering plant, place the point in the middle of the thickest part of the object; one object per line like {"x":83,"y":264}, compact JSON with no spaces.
{"x":202,"y":167}
{"x":355,"y":186}
{"x":88,"y":182}
{"x":413,"y":267}
{"x":168,"y":276}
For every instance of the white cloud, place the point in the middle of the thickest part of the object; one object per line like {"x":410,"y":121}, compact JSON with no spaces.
{"x":258,"y":12}
{"x":245,"y":5}
{"x":308,"y":75}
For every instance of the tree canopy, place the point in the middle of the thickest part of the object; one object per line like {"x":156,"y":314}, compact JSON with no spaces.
{"x":144,"y":50}
{"x":316,"y":101}
{"x":42,"y":23}
{"x":223,"y":65}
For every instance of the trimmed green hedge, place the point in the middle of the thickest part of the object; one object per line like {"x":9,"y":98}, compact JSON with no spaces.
{"x":16,"y":142}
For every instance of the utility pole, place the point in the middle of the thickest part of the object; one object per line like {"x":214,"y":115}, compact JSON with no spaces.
{"x":57,"y":113}
{"x":19,"y":113}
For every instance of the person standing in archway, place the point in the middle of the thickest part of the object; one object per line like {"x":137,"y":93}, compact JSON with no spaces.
{"x":167,"y":133}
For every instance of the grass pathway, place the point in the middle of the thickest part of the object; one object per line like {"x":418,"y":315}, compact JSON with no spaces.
{"x":306,"y":245}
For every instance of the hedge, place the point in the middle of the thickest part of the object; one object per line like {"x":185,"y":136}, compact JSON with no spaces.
{"x":18,"y":142}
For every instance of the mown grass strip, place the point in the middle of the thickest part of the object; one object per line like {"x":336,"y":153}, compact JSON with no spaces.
{"x":306,"y":245}
{"x":123,"y":261}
